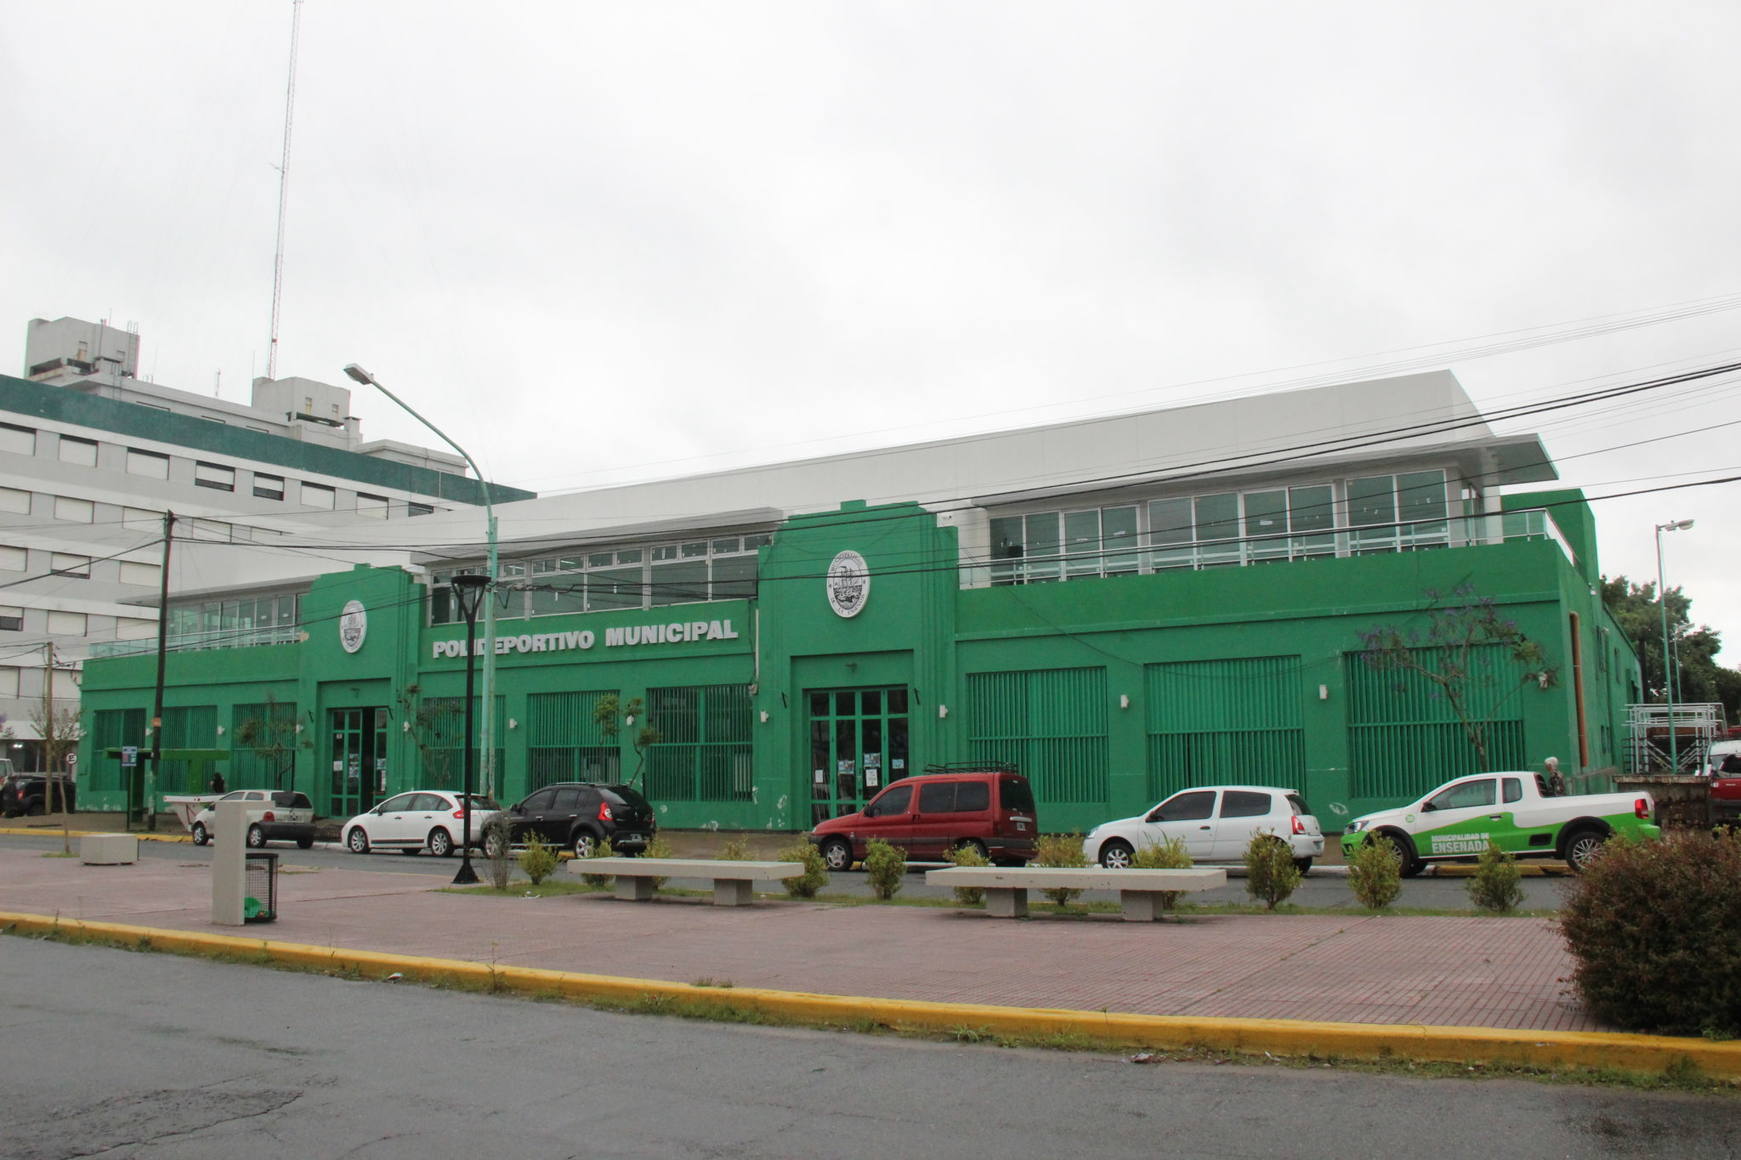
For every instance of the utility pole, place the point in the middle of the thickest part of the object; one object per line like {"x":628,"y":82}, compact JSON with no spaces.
{"x":50,"y":736}
{"x":162,"y":659}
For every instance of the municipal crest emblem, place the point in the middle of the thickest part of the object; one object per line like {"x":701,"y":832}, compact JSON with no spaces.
{"x":848,"y":584}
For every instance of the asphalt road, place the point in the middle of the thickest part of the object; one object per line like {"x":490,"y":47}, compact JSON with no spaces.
{"x":1321,"y":888}
{"x":115,"y":1053}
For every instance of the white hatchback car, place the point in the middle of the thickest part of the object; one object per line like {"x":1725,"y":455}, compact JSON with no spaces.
{"x":1215,"y":822}
{"x":431,"y":819}
{"x":273,"y":815}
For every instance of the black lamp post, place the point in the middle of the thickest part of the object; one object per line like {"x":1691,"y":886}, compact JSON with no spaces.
{"x":469,"y":591}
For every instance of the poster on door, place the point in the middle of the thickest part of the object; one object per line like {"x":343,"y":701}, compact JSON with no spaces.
{"x":873,"y":768}
{"x":354,"y":770}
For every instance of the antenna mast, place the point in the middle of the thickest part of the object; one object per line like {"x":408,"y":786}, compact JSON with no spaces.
{"x":283,"y":191}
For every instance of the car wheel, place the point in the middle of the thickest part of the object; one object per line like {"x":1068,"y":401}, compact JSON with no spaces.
{"x":305,"y":843}
{"x":1408,"y":865}
{"x":440,"y":843}
{"x":256,"y":837}
{"x":1583,"y":847}
{"x":974,"y":844}
{"x":1116,"y":853}
{"x":494,"y":844}
{"x":356,"y":841}
{"x":200,"y":835}
{"x":583,"y":844}
{"x":1303,"y":865}
{"x":836,"y":854}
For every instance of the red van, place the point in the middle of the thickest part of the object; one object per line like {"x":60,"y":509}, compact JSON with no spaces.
{"x":986,"y":805}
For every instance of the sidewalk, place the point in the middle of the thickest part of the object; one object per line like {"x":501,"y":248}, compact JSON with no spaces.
{"x":1495,"y":973}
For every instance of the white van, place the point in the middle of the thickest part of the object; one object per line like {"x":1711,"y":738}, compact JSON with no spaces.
{"x":1720,"y":750}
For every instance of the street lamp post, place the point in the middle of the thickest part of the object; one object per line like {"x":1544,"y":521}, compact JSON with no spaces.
{"x":1668,"y":687}
{"x":487,"y":741}
{"x":470,"y":591}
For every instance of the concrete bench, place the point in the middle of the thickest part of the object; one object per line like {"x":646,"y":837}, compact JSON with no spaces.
{"x":1139,"y":891}
{"x":733,"y":882}
{"x":109,"y":849}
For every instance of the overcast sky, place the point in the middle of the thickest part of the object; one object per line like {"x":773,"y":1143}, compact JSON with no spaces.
{"x":600,"y":242}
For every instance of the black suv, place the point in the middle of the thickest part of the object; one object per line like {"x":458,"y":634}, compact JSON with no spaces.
{"x":24,"y":793}
{"x":577,"y":815}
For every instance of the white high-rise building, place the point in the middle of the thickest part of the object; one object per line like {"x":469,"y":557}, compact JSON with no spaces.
{"x":91,"y":459}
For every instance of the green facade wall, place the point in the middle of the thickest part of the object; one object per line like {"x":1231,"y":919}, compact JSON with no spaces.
{"x":1109,"y":692}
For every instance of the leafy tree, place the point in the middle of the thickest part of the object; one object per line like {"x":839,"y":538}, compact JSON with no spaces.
{"x":608,"y":713}
{"x":1461,"y":628}
{"x":1637,"y":610}
{"x":272,"y":738}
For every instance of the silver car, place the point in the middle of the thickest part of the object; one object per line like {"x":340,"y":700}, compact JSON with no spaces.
{"x":1215,"y":823}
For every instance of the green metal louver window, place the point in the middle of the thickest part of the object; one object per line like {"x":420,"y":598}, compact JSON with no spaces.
{"x":112,"y":729}
{"x":263,"y":744}
{"x":704,"y":751}
{"x":1227,"y":721}
{"x":186,"y":727}
{"x":564,"y":741}
{"x":1403,"y":736}
{"x":440,"y":728}
{"x":1050,"y":722}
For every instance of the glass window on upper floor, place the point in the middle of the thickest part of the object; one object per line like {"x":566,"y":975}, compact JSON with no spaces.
{"x":316,"y":495}
{"x":18,"y":440}
{"x":12,"y":559}
{"x":11,"y":618}
{"x":78,"y":511}
{"x":268,"y":486}
{"x":246,"y":620}
{"x":150,"y":464}
{"x":14,"y":499}
{"x":79,"y":452}
{"x":217,"y":476}
{"x":1384,"y":513}
{"x":1068,"y":545}
{"x":600,"y":580}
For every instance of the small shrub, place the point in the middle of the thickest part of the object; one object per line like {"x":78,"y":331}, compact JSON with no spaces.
{"x":1655,"y":929}
{"x":1496,"y":886}
{"x":1270,"y":873}
{"x":1167,"y":854}
{"x":538,"y":859}
{"x":969,"y":854}
{"x":499,"y":858}
{"x":1059,"y":850}
{"x":1375,"y":873}
{"x":884,"y":868}
{"x":734,"y":850}
{"x":815,"y":875}
{"x":658,"y":847}
{"x":600,"y":849}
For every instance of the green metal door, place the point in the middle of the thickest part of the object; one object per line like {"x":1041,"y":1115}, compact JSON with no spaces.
{"x":858,"y":744}
{"x":359,"y":759}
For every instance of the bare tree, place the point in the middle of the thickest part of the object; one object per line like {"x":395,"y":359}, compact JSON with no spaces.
{"x":58,"y":726}
{"x":1462,"y":627}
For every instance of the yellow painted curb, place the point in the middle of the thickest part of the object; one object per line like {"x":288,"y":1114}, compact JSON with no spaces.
{"x":1647,"y":1054}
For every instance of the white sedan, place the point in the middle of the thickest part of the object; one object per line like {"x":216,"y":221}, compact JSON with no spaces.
{"x":431,"y":819}
{"x":1215,"y":822}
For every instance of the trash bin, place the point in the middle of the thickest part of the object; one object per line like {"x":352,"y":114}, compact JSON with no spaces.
{"x":260,"y":887}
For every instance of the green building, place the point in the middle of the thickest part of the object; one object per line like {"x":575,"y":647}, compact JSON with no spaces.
{"x":1088,"y":601}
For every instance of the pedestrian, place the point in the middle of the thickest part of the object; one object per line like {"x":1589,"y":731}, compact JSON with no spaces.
{"x":217,"y":782}
{"x":1556,"y":780}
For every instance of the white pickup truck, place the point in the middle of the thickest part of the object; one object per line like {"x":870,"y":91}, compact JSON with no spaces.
{"x":1512,"y":810}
